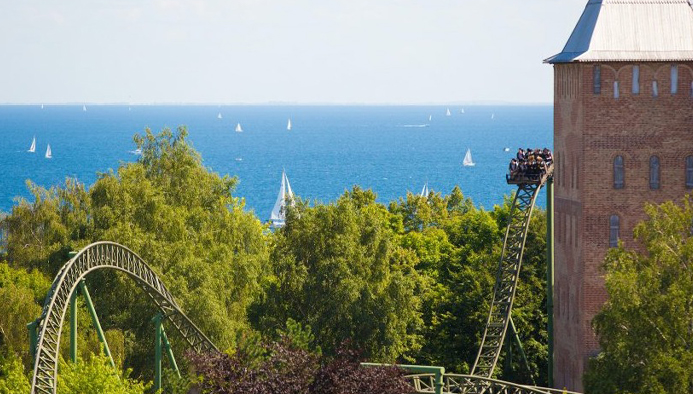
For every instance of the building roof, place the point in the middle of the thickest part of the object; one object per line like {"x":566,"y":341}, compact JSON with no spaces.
{"x":631,"y":30}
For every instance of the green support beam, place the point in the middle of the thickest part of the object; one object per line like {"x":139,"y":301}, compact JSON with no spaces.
{"x":516,"y":338}
{"x":549,"y":274}
{"x":73,"y":327}
{"x":169,"y":352}
{"x":437,"y":371}
{"x":33,"y":336}
{"x":157,"y":351}
{"x":95,"y":321}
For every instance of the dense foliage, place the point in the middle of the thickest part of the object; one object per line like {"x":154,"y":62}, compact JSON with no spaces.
{"x":408,"y":282}
{"x":283,"y":368}
{"x":645,"y":329}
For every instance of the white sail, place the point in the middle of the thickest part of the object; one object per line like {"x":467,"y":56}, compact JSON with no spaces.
{"x":468,"y":162}
{"x":41,"y":106}
{"x":219,"y":116}
{"x":32,"y":149}
{"x":288,"y":125}
{"x":424,"y":191}
{"x":430,"y":117}
{"x":462,"y":111}
{"x":49,"y":155}
{"x":493,"y":116}
{"x":278,"y":215}
{"x":84,"y":108}
{"x":447,"y":113}
{"x":239,"y":129}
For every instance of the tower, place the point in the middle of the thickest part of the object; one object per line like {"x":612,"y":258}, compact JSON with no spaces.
{"x":623,"y":136}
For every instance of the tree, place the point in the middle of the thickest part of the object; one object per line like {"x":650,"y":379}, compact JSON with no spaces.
{"x":338,"y":269}
{"x":180,"y":217}
{"x":645,"y":328}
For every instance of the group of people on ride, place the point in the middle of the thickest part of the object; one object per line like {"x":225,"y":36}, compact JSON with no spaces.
{"x":530,"y":164}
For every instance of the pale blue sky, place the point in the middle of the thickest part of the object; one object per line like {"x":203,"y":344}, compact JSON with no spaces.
{"x":303,"y":51}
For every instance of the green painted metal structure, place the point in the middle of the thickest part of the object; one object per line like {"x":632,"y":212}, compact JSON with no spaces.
{"x":99,"y":255}
{"x":508,"y":274}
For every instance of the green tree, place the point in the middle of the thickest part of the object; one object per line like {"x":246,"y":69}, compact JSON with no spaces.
{"x":96,"y":376}
{"x":180,"y":217}
{"x":645,"y":329}
{"x":338,"y":269}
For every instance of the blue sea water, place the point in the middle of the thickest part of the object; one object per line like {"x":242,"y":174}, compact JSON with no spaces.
{"x":391,"y":149}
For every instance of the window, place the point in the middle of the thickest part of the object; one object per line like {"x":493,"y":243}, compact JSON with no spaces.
{"x":597,"y":79}
{"x":674,"y":79}
{"x":615,"y":89}
{"x":654,"y":172}
{"x":655,"y":89}
{"x":614,"y":227}
{"x":618,"y":172}
{"x":689,"y":172}
{"x":636,"y":79}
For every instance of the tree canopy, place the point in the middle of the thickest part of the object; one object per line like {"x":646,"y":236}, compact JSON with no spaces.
{"x":645,"y":329}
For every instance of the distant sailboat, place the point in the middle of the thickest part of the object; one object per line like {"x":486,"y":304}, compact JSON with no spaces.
{"x":278,"y":215}
{"x":239,"y":129}
{"x":32,"y":148}
{"x":506,"y":149}
{"x":219,"y":116}
{"x":448,"y":112}
{"x":424,"y":191}
{"x":430,"y":117}
{"x":137,"y":152}
{"x":41,"y":106}
{"x":49,"y":155}
{"x":493,"y":116}
{"x":84,"y":108}
{"x":468,"y":162}
{"x":288,"y":125}
{"x":462,"y":110}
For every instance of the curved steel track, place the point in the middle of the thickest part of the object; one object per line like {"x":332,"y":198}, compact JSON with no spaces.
{"x":470,"y":384}
{"x":507,"y":275}
{"x":101,"y":255}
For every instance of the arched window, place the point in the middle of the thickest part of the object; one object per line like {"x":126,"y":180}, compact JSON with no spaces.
{"x":636,"y":80}
{"x":654,"y":172}
{"x":614,"y":227}
{"x":619,"y":177}
{"x":689,"y":172}
{"x":597,"y":79}
{"x":674,"y":79}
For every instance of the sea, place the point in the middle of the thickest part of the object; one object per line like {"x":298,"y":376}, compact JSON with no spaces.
{"x":389,"y":149}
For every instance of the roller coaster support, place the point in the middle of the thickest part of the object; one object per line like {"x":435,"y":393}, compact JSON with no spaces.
{"x":549,"y":274}
{"x":169,"y":352}
{"x":516,"y":338}
{"x":73,"y":327}
{"x":95,"y":321}
{"x":157,"y":351}
{"x":33,"y":336}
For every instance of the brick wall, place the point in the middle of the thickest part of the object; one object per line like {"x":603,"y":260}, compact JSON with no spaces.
{"x":590,"y":130}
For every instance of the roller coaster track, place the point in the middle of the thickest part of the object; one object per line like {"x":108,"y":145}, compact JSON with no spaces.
{"x":469,"y":384}
{"x":101,"y":255}
{"x":508,"y":274}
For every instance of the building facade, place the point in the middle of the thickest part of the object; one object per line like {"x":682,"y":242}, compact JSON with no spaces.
{"x":623,"y":136}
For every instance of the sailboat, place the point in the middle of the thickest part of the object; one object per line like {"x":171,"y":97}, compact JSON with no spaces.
{"x":219,"y":116}
{"x":430,"y":117}
{"x":448,"y":112}
{"x":49,"y":155}
{"x":468,"y":162}
{"x":424,"y":191}
{"x":493,"y":116}
{"x":239,"y":129}
{"x":41,"y":106}
{"x":462,"y":111}
{"x":278,"y":215}
{"x":288,"y":125}
{"x":84,"y":108}
{"x":32,"y":148}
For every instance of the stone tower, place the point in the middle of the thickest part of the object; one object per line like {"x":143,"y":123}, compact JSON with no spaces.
{"x":623,"y":136}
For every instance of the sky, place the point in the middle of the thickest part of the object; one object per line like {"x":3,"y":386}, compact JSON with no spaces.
{"x":274,"y":51}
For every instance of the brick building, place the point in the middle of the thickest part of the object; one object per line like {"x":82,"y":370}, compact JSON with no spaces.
{"x":623,"y":136}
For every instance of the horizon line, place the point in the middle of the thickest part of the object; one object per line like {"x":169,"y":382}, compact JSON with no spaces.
{"x":282,"y":103}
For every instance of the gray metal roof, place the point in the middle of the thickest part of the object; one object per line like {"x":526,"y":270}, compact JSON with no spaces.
{"x":631,"y":30}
